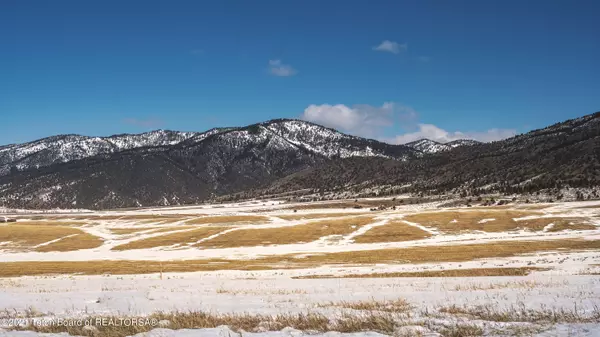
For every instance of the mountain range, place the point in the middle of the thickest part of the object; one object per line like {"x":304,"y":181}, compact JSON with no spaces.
{"x":65,"y":148}
{"x":279,"y":156}
{"x":325,"y":141}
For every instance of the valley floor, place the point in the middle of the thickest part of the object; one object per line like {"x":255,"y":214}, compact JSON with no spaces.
{"x":269,"y":269}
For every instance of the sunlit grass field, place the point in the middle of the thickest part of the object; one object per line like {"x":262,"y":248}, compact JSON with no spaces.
{"x":450,"y":253}
{"x":45,"y":238}
{"x":286,"y":235}
{"x":179,"y":238}
{"x":392,"y":231}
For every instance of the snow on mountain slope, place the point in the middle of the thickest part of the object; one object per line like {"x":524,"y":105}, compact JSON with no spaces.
{"x":64,"y":148}
{"x":217,"y":162}
{"x":198,"y":137}
{"x":431,"y":146}
{"x":428,"y":146}
{"x":153,"y":138}
{"x":290,"y":133}
{"x":331,"y":143}
{"x":462,"y":142}
{"x":288,"y":155}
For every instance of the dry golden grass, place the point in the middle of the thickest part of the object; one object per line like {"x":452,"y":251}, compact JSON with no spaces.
{"x":520,"y":313}
{"x":120,"y":217}
{"x":534,"y":207}
{"x":399,"y":305}
{"x":469,"y":220}
{"x":189,"y":236}
{"x":69,"y":223}
{"x":232,"y":219}
{"x":27,"y":237}
{"x":174,"y":228}
{"x":355,"y":204}
{"x":49,"y":217}
{"x":285,"y":235}
{"x":572,"y":226}
{"x":392,"y":231}
{"x":475,"y":272}
{"x":316,"y":215}
{"x":560,"y":224}
{"x":462,"y":330}
{"x":71,"y":243}
{"x":123,"y":267}
{"x":132,"y":230}
{"x":93,"y":217}
{"x":129,"y":230}
{"x":456,"y":253}
{"x":450,"y":253}
{"x":155,"y":216}
{"x":346,"y":323}
{"x":155,"y":222}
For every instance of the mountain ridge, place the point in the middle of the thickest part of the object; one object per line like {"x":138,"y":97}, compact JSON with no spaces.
{"x":216,"y":162}
{"x":68,"y":147}
{"x":283,"y":155}
{"x":49,"y":150}
{"x":563,"y":154}
{"x":115,"y":143}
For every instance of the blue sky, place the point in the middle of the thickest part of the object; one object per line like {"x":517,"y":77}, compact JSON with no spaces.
{"x":392,"y":70}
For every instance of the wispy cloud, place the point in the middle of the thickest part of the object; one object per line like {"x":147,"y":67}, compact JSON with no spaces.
{"x":430,"y":131}
{"x":361,"y":120}
{"x":197,"y":52}
{"x":391,"y":47}
{"x":144,"y":123}
{"x":278,"y":68}
{"x":373,"y":121}
{"x":423,"y":59}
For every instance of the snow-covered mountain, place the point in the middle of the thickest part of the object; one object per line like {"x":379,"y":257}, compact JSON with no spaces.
{"x":428,"y":146}
{"x":115,"y":172}
{"x":274,"y":148}
{"x":166,"y":168}
{"x":331,"y":143}
{"x":431,"y":146}
{"x":65,"y":148}
{"x":294,"y":133}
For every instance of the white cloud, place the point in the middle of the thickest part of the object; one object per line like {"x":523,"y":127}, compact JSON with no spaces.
{"x":361,"y":120}
{"x":277,"y":68}
{"x":391,"y":47}
{"x":372,"y":122}
{"x":433,"y":132}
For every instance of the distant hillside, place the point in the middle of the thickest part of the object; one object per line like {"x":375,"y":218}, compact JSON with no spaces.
{"x":285,"y":155}
{"x":431,"y":146}
{"x":564,"y":154}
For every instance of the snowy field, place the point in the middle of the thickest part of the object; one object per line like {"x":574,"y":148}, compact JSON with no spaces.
{"x":280,"y":269}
